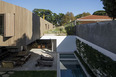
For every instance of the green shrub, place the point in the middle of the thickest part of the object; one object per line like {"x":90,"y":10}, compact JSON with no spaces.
{"x":85,"y":65}
{"x":97,"y":60}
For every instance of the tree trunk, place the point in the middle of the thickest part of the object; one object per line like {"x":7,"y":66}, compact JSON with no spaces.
{"x":113,"y":18}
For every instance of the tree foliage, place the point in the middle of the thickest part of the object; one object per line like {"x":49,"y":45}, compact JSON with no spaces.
{"x":41,"y":12}
{"x":100,"y":12}
{"x":82,"y":15}
{"x":50,"y":16}
{"x":68,"y":17}
{"x":60,"y":19}
{"x":110,"y":7}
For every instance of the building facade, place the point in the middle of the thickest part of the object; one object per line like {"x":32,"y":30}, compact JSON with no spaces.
{"x":93,"y":19}
{"x":19,"y":27}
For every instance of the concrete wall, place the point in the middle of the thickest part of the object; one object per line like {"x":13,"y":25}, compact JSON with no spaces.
{"x":64,"y":44}
{"x":26,"y":27}
{"x":45,"y":26}
{"x":22,"y":25}
{"x":102,"y":34}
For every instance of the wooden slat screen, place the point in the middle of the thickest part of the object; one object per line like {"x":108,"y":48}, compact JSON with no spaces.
{"x":9,"y":25}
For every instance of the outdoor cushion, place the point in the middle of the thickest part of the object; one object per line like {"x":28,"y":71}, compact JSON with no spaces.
{"x":47,"y":57}
{"x":8,"y":64}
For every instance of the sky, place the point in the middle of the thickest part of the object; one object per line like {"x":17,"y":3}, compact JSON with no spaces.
{"x":60,"y":6}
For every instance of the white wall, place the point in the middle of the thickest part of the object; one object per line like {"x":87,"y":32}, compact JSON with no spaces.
{"x":65,"y":44}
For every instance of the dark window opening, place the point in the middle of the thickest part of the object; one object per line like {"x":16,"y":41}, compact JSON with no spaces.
{"x":46,"y":26}
{"x":1,"y":24}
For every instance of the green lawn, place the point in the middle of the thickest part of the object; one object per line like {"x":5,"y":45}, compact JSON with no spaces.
{"x":34,"y":74}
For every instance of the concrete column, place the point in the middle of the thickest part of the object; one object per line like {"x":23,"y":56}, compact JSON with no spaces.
{"x":52,"y":45}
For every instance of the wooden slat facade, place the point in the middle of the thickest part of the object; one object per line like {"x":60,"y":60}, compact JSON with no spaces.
{"x":8,"y":24}
{"x":21,"y":26}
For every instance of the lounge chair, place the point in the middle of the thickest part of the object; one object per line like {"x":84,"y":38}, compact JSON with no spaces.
{"x":44,"y":63}
{"x":47,"y":58}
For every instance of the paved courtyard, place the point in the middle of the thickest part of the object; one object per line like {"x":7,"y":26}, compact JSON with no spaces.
{"x":30,"y":64}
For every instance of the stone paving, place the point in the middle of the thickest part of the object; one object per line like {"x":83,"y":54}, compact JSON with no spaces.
{"x":30,"y":64}
{"x":6,"y":74}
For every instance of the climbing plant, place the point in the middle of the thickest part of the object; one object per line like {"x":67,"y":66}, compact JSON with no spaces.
{"x":99,"y":63}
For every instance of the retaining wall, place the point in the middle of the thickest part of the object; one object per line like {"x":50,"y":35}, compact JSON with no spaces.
{"x":102,"y":34}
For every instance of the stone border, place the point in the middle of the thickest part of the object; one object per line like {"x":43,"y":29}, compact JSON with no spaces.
{"x":82,"y":67}
{"x":58,"y":66}
{"x":6,"y":74}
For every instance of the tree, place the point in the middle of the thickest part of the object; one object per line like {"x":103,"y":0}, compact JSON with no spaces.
{"x":60,"y":19}
{"x":55,"y":19}
{"x":41,"y":12}
{"x":50,"y":16}
{"x":68,"y":17}
{"x":100,"y":12}
{"x":110,"y":8}
{"x":82,"y":15}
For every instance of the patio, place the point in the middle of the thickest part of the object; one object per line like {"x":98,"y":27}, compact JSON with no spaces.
{"x":30,"y":64}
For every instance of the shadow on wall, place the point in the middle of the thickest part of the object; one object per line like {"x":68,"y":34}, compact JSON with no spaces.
{"x":35,"y":29}
{"x":21,"y":41}
{"x":66,"y":44}
{"x":25,"y":39}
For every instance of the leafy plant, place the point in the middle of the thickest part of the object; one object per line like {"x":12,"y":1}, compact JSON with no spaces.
{"x":85,"y":65}
{"x":96,"y":60}
{"x":110,"y":7}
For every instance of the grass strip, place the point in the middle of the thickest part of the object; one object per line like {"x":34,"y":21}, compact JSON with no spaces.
{"x":34,"y":74}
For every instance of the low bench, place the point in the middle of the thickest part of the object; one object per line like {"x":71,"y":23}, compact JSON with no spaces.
{"x":45,"y":60}
{"x":47,"y":57}
{"x":8,"y":64}
{"x":44,"y":63}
